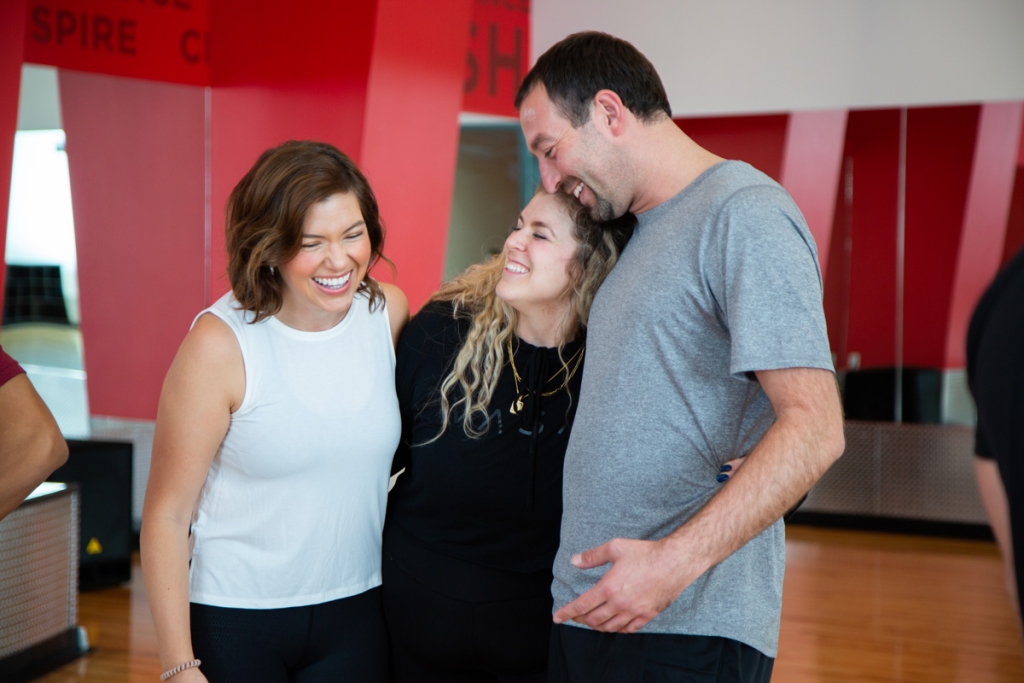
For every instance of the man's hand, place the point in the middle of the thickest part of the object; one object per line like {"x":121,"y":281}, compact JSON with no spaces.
{"x":645,"y":577}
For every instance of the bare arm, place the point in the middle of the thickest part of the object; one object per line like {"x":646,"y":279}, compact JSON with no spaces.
{"x":997,"y":509}
{"x":398,"y":310}
{"x":31,"y":446}
{"x":205,"y":384}
{"x":646,"y":576}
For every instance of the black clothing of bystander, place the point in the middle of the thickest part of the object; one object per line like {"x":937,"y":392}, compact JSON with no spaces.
{"x":995,"y":372}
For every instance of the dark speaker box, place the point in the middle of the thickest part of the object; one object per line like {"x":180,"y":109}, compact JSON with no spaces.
{"x":871,"y":395}
{"x":34,"y":294}
{"x":103,"y":472}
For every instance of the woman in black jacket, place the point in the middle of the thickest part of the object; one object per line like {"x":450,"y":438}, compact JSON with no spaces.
{"x":488,"y":377}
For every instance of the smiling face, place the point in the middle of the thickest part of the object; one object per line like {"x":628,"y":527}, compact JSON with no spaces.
{"x":320,"y":282}
{"x":537,"y":254}
{"x":571,"y":159}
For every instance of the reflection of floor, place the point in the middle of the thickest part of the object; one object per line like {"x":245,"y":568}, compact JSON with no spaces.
{"x":44,"y":344}
{"x":52,"y":357}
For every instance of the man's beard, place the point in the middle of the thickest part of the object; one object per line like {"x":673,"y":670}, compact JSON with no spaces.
{"x":602,"y":211}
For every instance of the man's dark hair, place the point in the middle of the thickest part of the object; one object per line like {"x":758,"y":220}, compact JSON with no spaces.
{"x":576,"y":68}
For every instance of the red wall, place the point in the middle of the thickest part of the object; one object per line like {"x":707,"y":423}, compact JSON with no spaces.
{"x":152,"y":164}
{"x":12,"y":19}
{"x":380,"y":79}
{"x":498,"y":56}
{"x":281,"y":71}
{"x":940,"y":151}
{"x":1014,"y":241}
{"x":985,"y":223}
{"x":411,"y":134}
{"x":136,"y":158}
{"x":161,"y":40}
{"x":959,"y":173}
{"x":811,"y":166}
{"x":860,"y":301}
{"x":758,"y":140}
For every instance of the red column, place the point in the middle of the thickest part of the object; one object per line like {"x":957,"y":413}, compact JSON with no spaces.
{"x":759,"y":139}
{"x":12,"y":41}
{"x":1015,"y":221}
{"x":246,"y":120}
{"x":811,"y":165}
{"x":980,"y":250}
{"x":378,"y":78}
{"x":136,"y":158}
{"x":860,"y":294}
{"x":281,"y":72}
{"x":411,"y":133}
{"x":940,"y":151}
{"x":152,"y":164}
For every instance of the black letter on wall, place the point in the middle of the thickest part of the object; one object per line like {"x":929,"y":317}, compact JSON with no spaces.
{"x":42,"y":33}
{"x":503,"y":61}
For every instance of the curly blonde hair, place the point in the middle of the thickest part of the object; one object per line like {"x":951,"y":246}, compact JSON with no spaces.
{"x":470,"y":384}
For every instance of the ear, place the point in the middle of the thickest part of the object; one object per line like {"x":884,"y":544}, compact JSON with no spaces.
{"x":610,"y":113}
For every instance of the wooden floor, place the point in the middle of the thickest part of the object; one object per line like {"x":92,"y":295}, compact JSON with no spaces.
{"x":857,"y":607}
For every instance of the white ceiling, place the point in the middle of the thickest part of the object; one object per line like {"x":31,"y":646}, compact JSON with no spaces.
{"x":732,"y":56}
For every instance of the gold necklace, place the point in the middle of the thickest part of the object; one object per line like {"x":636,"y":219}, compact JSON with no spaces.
{"x":517,"y":404}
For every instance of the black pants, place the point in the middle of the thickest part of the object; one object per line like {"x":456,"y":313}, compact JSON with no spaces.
{"x":342,"y":640}
{"x":495,"y":630}
{"x":580,"y":655}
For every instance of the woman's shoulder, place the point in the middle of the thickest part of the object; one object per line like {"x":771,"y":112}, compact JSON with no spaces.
{"x":210,"y":359}
{"x":228,"y":310}
{"x":398,"y":309}
{"x":434,"y":324}
{"x":439,"y":310}
{"x":212,"y":337}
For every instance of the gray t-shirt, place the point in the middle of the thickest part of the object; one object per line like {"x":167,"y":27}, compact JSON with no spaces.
{"x":717,"y":282}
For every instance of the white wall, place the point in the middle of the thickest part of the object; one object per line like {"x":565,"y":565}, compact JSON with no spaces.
{"x":40,"y":223}
{"x":485,"y":201}
{"x":39,"y":99}
{"x":732,"y":56}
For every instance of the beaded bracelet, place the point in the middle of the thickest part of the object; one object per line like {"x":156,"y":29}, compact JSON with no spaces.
{"x":178,"y":669}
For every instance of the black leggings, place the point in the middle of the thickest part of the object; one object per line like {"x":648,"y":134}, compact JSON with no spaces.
{"x":580,"y":655}
{"x":436,"y":638}
{"x":342,"y":640}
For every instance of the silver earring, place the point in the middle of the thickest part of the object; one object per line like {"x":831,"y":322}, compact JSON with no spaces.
{"x":271,"y":270}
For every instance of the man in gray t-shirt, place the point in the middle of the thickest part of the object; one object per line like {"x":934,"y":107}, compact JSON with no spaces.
{"x":706,"y":342}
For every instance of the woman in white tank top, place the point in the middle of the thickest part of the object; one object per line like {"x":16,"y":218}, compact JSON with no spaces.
{"x":275,"y":433}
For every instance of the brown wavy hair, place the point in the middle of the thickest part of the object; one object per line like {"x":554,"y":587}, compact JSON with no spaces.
{"x":266,"y":212}
{"x":474,"y":375}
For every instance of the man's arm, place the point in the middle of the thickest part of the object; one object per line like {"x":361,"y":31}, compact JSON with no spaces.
{"x":646,"y":576}
{"x":31,"y":446}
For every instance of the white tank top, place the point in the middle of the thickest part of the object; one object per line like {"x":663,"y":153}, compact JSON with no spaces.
{"x":292,"y":509}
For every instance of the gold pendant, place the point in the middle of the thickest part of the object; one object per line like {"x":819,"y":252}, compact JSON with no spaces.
{"x":517,"y":405}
